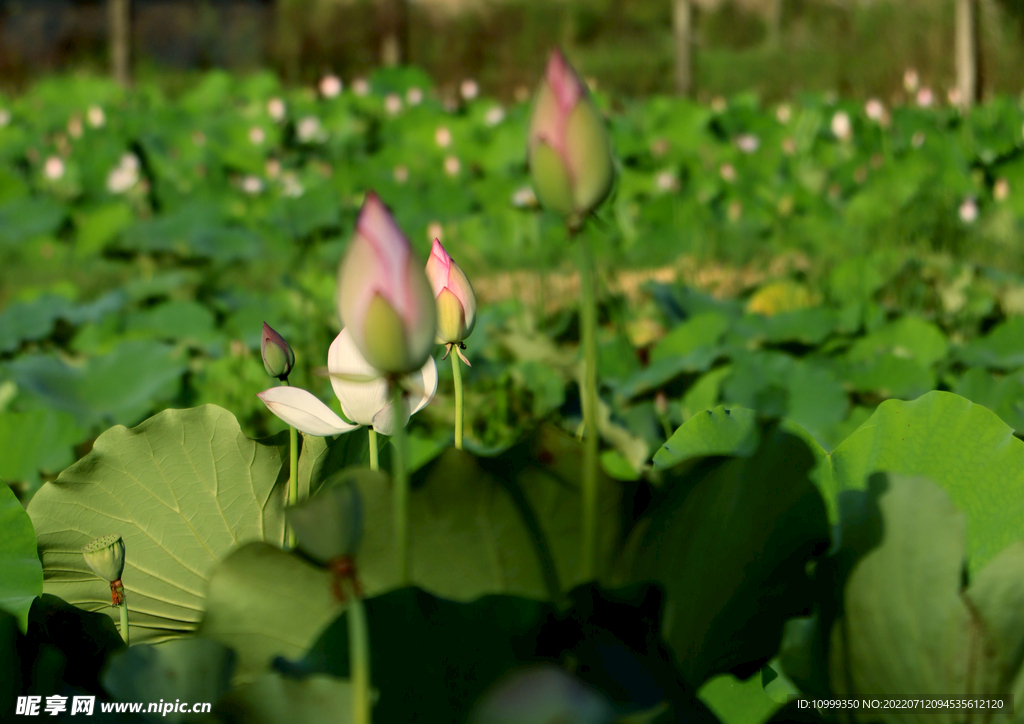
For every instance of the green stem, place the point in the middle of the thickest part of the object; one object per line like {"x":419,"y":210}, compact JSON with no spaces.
{"x":401,"y":490}
{"x":358,"y":656}
{"x":293,"y":478}
{"x":590,"y":399}
{"x":124,"y":619}
{"x":373,"y":448}
{"x":459,"y":411}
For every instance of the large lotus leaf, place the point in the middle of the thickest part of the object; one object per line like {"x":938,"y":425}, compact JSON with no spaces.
{"x":182,"y":489}
{"x":712,"y":432}
{"x":777,"y":384}
{"x":1004,"y":395}
{"x":696,"y":339}
{"x":277,"y":699}
{"x":890,"y":376}
{"x":738,"y":702}
{"x":21,"y":574}
{"x":739,"y":531}
{"x":430,"y":657}
{"x":121,"y":386}
{"x":964,"y":448}
{"x":905,"y":629}
{"x":30,"y":321}
{"x":66,"y":646}
{"x":35,"y":440}
{"x":908,"y":336}
{"x":540,"y":695}
{"x":808,"y":326}
{"x":264,"y":602}
{"x":190,"y":669}
{"x":997,"y":594}
{"x":488,"y":525}
{"x":999,"y":349}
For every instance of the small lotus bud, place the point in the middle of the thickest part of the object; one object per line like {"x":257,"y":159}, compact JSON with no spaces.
{"x":569,"y":153}
{"x":456,"y":302}
{"x":329,"y":524}
{"x":384,"y":298}
{"x":278,"y":358}
{"x":105,"y":556}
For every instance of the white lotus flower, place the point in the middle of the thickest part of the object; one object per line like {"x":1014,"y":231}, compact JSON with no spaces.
{"x":842,"y":128}
{"x":469,"y":89}
{"x":365,"y":403}
{"x":54,"y":168}
{"x":96,"y":116}
{"x":276,"y":109}
{"x":494,"y":116}
{"x":360,"y":87}
{"x":911,"y":80}
{"x":874,"y":109}
{"x":330,"y":86}
{"x":414,"y":96}
{"x":393,"y":103}
{"x":969,"y":211}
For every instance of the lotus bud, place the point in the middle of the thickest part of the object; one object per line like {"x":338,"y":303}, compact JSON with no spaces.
{"x":453,"y":294}
{"x":105,"y":556}
{"x":384,"y":298}
{"x":278,"y":358}
{"x":568,"y":151}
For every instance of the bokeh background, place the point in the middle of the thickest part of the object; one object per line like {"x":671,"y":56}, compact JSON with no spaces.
{"x":819,"y":206}
{"x":856,"y":48}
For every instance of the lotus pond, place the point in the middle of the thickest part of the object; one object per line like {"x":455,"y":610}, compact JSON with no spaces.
{"x":810,"y":389}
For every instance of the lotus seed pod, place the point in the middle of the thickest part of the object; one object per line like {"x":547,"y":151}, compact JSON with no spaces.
{"x":105,"y":556}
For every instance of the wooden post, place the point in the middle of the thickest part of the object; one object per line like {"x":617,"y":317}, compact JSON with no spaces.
{"x":119,"y":29}
{"x":393,"y":21}
{"x":967,"y":47}
{"x":682,"y":27}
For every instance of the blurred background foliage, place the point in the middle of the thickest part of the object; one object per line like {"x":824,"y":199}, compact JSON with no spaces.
{"x":775,"y":48}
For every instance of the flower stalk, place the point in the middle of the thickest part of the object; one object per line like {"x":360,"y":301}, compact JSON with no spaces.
{"x":588,"y":314}
{"x":459,"y":411}
{"x":358,"y":654}
{"x":400,"y":481}
{"x":374,"y":464}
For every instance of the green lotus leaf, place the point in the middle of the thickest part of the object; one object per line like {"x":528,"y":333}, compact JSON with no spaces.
{"x":182,"y":489}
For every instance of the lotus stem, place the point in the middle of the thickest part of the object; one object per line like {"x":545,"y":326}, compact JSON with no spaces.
{"x":588,"y":318}
{"x":293,"y":478}
{"x":459,"y":409}
{"x":123,"y":606}
{"x":358,"y":655}
{"x":400,"y":480}
{"x":374,"y":464}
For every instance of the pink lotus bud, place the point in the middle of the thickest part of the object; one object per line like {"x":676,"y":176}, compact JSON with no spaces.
{"x":456,"y":302}
{"x":278,"y":358}
{"x":568,"y":151}
{"x":384,"y":297}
